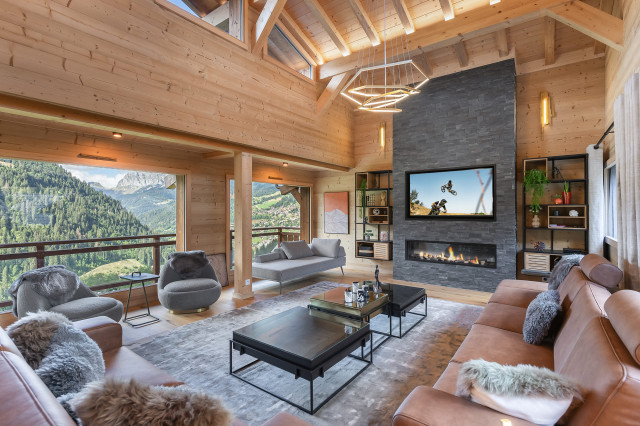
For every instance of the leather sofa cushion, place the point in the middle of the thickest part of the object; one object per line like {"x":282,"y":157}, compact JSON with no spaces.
{"x":285,"y":419}
{"x":571,"y":286}
{"x":524,"y":284}
{"x":123,"y":364}
{"x":600,"y":270}
{"x":608,"y":375}
{"x":448,"y":380}
{"x":26,"y":401}
{"x":103,"y":330}
{"x":514,"y":296}
{"x":505,"y":317}
{"x":623,"y":309}
{"x":503,"y":347}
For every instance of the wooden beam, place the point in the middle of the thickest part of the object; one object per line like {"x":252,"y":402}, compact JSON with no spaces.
{"x":217,"y":155}
{"x":422,"y":61}
{"x":218,"y":15}
{"x":365,"y":22}
{"x":299,"y":47}
{"x":243,"y":176}
{"x":549,"y":40}
{"x":568,"y":58}
{"x":324,"y":20}
{"x":591,"y":21}
{"x":447,"y":9}
{"x":331,"y":91}
{"x":607,"y":7}
{"x":302,"y":38}
{"x":62,"y":114}
{"x":236,"y":18}
{"x":403,"y":13}
{"x":461,"y":53}
{"x":502,"y":42}
{"x":265,"y":23}
{"x":475,"y":23}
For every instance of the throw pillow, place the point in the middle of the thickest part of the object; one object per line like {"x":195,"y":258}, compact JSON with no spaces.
{"x":541,"y":313}
{"x":562,"y":269}
{"x":115,"y":403}
{"x":280,"y":252}
{"x":535,"y":394}
{"x":268,"y":257}
{"x":327,"y":247}
{"x":296,"y":249}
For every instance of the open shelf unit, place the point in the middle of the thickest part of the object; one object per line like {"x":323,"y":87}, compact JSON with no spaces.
{"x":374,"y":212}
{"x":562,"y":232}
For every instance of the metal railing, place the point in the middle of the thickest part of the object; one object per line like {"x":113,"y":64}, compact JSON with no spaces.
{"x":41,"y":250}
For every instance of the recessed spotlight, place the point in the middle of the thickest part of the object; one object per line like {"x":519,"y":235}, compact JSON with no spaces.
{"x":285,"y":164}
{"x":117,"y":135}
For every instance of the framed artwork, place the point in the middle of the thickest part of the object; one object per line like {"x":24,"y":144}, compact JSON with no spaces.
{"x":336,"y":212}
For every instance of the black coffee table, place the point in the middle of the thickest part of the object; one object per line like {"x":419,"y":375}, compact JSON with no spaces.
{"x":305,"y":343}
{"x":402,"y":299}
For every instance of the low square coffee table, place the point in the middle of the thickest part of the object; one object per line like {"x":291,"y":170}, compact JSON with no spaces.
{"x":402,"y":299}
{"x":304,"y":342}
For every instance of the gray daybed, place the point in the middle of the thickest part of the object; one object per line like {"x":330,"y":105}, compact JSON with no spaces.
{"x":296,"y":259}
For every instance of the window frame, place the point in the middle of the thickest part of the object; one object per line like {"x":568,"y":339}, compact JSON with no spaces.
{"x":307,"y":58}
{"x":611,"y":240}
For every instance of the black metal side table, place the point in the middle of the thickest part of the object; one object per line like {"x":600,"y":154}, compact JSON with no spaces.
{"x":139,"y":277}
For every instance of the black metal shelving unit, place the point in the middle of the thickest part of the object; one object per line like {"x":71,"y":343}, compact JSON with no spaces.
{"x":540,"y":262}
{"x":376,"y":183}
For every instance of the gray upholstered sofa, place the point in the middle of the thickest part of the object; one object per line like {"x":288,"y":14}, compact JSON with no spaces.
{"x":297,"y":259}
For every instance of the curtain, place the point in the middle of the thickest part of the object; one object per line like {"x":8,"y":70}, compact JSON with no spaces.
{"x":627,"y":143}
{"x":596,"y":200}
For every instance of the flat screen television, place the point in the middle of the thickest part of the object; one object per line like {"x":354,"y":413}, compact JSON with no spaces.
{"x":463,"y":193}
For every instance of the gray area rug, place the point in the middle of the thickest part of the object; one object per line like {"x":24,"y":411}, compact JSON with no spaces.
{"x":198,"y":354}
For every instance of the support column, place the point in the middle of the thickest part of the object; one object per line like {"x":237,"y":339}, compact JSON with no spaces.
{"x":242,"y":173}
{"x":305,"y":218}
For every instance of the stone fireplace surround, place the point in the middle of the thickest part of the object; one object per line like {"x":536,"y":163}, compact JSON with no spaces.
{"x":459,"y":120}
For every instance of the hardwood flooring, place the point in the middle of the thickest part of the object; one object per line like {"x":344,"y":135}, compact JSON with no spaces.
{"x":268,"y":289}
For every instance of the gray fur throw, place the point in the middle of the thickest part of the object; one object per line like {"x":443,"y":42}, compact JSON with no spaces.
{"x":56,"y":283}
{"x":64,"y":357}
{"x":562,"y":269}
{"x":541,"y":313}
{"x":188,"y":264}
{"x":508,"y":380}
{"x":115,"y":403}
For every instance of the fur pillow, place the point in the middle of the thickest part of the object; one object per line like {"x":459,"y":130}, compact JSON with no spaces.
{"x":562,"y":269}
{"x":541,"y":313}
{"x":115,"y":403}
{"x":535,"y":394}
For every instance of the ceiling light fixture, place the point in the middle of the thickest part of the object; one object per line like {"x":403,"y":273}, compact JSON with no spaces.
{"x":117,"y":135}
{"x":492,"y":2}
{"x":380,"y":83}
{"x":285,"y":164}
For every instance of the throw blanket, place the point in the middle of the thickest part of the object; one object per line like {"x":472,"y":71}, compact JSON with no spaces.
{"x":63,"y":356}
{"x":561,"y":270}
{"x":188,"y":264}
{"x":56,"y":283}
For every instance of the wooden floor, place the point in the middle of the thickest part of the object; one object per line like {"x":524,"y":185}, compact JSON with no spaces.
{"x":268,"y":289}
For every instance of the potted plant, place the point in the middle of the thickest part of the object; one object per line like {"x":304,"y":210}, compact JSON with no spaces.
{"x":368,"y":234}
{"x":534,"y":182}
{"x":566,"y":193}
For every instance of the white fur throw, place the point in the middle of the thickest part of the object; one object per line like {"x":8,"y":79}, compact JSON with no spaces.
{"x":562,"y":269}
{"x":115,"y":403}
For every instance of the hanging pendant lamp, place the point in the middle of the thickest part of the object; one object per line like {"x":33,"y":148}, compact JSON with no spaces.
{"x":380,"y":83}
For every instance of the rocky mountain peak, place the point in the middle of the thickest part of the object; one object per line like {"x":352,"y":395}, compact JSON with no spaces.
{"x":133,"y":181}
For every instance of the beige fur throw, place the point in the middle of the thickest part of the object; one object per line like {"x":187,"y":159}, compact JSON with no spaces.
{"x":116,"y":403}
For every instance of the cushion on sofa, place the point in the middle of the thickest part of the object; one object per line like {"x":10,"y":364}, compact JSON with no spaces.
{"x":514,"y":296}
{"x":535,"y":394}
{"x":296,"y":249}
{"x":268,"y":257}
{"x":541,"y":313}
{"x":280,"y":251}
{"x":623,"y":308}
{"x":600,"y":270}
{"x":505,"y":317}
{"x":327,"y":247}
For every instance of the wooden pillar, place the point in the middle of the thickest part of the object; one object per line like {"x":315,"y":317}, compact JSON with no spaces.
{"x":242,"y":171}
{"x":181,"y":217}
{"x":235,"y":19}
{"x":305,"y":214}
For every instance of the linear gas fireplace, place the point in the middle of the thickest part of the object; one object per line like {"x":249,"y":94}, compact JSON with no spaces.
{"x":467,"y":254}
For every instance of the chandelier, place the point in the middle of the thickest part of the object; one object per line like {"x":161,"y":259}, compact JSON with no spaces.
{"x":380,"y":83}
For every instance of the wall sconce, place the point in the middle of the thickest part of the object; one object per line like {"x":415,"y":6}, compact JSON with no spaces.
{"x":117,"y":135}
{"x":545,"y":108}
{"x":383,"y":134}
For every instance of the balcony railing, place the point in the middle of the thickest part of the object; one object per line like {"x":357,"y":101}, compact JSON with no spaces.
{"x":43,"y":249}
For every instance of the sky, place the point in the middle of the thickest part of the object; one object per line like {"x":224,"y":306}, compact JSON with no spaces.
{"x":108,"y":178}
{"x":465,"y":182}
{"x":181,"y":5}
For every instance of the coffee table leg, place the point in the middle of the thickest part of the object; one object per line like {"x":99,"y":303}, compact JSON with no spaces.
{"x":311,"y":394}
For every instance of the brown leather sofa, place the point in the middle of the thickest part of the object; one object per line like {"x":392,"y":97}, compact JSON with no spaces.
{"x":597,"y":346}
{"x":26,"y":401}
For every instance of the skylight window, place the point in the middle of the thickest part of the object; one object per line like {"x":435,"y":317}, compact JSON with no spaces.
{"x":225,"y":15}
{"x":280,"y":48}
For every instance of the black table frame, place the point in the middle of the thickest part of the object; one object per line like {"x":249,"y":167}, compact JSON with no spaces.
{"x":127,"y":319}
{"x":404,"y":312}
{"x":298,"y":371}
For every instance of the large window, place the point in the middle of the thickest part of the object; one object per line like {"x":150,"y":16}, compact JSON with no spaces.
{"x":224,"y":15}
{"x":282,"y":49}
{"x":611,"y":200}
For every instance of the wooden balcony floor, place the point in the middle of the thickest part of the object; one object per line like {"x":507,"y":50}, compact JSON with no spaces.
{"x":268,"y":289}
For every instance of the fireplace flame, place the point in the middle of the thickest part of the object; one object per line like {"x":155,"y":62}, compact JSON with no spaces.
{"x":451,"y":255}
{"x":475,"y":261}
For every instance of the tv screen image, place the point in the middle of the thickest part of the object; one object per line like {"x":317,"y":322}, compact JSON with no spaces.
{"x":453,"y":193}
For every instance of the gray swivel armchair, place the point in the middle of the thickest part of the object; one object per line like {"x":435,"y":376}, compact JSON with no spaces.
{"x":63,"y":293}
{"x":188,"y":283}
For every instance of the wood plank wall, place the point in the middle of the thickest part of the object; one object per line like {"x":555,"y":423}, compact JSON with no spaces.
{"x":139,"y":61}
